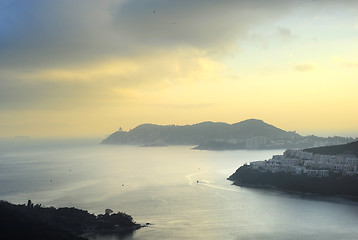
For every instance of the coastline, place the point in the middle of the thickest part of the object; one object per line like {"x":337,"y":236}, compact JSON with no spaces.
{"x":296,"y":184}
{"x":262,"y":186}
{"x":33,"y":221}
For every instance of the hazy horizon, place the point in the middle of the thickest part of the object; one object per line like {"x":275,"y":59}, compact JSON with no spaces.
{"x":83,"y":69}
{"x":349,"y":134}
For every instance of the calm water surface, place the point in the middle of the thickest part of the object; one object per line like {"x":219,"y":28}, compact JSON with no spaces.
{"x":159,"y":185}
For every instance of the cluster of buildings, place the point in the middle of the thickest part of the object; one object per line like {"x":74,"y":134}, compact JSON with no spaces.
{"x":262,"y":142}
{"x":301,"y":162}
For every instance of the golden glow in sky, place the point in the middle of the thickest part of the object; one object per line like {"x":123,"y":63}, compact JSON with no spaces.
{"x":85,"y":68}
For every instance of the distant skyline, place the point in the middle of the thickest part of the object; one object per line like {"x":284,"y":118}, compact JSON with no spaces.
{"x":86,"y":68}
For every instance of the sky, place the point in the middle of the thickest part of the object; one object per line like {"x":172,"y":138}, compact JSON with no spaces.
{"x":76,"y":68}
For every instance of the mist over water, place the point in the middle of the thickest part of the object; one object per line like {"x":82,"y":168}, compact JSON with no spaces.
{"x":183,"y":193}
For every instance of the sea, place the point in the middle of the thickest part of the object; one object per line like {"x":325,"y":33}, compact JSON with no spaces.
{"x":182,"y":193}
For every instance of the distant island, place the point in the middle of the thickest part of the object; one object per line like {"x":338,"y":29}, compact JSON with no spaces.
{"x":330,"y":170}
{"x":248,"y":134}
{"x":42,"y":223}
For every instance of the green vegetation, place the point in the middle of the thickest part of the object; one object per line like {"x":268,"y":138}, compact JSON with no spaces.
{"x":35,"y":222}
{"x":350,"y":148}
{"x":248,"y":134}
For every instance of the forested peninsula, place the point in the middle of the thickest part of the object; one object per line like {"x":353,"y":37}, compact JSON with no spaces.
{"x":43,"y":223}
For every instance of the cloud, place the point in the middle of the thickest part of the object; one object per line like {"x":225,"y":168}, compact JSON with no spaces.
{"x":16,"y":94}
{"x":74,"y":53}
{"x":264,"y":40}
{"x":47,"y":33}
{"x":350,"y":64}
{"x":185,"y":106}
{"x":304,"y":67}
{"x":196,"y":23}
{"x":103,"y":83}
{"x":345,"y":62}
{"x":51,"y":33}
{"x":285,"y":34}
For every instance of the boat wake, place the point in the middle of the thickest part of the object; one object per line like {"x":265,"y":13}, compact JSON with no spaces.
{"x":193,"y":180}
{"x":190,"y":177}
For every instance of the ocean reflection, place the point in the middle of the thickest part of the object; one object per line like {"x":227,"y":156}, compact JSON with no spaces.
{"x":183,"y":193}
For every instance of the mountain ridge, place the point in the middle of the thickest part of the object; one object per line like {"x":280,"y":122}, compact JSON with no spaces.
{"x":247,"y":134}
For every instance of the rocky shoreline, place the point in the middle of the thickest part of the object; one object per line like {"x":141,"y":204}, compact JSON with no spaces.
{"x":328,"y":186}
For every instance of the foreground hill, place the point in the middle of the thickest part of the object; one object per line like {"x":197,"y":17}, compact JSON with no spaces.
{"x":36,"y":222}
{"x":299,"y":171}
{"x":248,"y":134}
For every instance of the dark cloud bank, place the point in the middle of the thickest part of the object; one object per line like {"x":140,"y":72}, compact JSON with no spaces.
{"x":52,"y":33}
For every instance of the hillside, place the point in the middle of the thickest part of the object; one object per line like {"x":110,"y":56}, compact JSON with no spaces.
{"x":300,"y":173}
{"x":198,"y":133}
{"x":349,"y":148}
{"x":338,"y":186}
{"x":248,"y":134}
{"x":36,"y":222}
